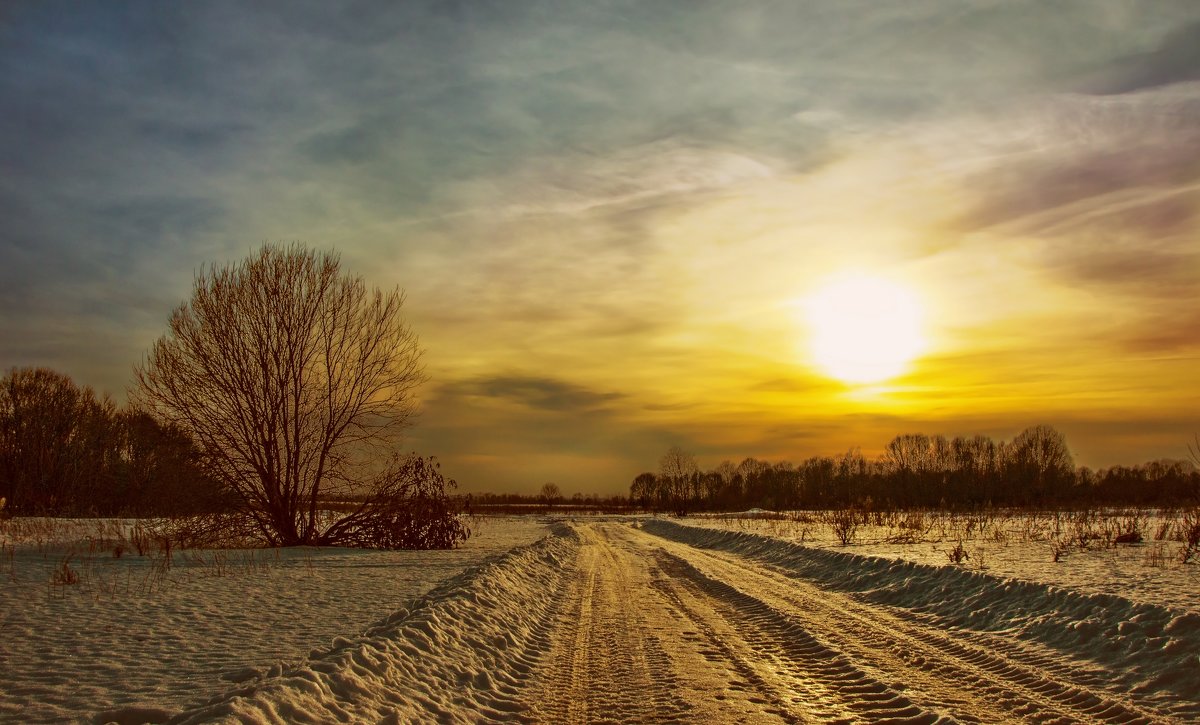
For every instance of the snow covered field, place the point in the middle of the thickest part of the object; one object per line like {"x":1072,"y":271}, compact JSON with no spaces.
{"x":623,"y":619}
{"x":131,"y":632}
{"x":1018,"y":545}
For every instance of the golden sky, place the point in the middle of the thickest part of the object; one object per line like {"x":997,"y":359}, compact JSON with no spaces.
{"x":610,"y":219}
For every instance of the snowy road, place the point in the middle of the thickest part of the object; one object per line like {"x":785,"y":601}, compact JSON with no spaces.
{"x":660,"y":631}
{"x":613,"y":621}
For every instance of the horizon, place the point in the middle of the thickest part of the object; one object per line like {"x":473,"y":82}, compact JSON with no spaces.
{"x":625,"y":227}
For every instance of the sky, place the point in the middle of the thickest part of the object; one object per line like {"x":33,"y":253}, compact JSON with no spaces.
{"x":610,"y":218}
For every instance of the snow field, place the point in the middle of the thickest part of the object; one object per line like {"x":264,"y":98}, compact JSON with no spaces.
{"x":1016,"y":545}
{"x":461,"y":653}
{"x":628,"y":619}
{"x":130,"y":634}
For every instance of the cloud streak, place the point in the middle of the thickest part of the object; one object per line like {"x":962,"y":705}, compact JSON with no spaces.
{"x":618,"y":201}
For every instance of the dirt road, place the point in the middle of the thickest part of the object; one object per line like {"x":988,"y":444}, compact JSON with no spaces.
{"x":653,"y":630}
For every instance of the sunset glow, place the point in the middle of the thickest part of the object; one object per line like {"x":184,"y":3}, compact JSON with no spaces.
{"x":749,"y":229}
{"x":864,"y":329}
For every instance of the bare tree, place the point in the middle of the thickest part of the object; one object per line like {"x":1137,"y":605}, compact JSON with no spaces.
{"x":677,"y":468}
{"x":644,"y":490}
{"x":296,"y":382}
{"x":1040,"y":461}
{"x":550,"y":494}
{"x":57,"y":443}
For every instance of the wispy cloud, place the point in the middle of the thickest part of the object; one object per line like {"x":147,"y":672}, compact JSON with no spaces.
{"x":618,"y":200}
{"x":533,"y":391}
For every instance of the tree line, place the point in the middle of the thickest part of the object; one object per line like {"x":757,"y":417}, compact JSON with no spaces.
{"x":1034,"y":469}
{"x":64,"y":450}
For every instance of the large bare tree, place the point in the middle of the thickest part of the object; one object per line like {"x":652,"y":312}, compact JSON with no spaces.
{"x":296,"y":381}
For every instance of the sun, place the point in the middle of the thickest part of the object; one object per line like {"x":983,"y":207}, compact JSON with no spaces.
{"x":863,"y":328}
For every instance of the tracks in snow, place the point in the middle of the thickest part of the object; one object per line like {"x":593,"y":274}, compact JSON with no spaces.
{"x":652,"y":630}
{"x":606,"y":664}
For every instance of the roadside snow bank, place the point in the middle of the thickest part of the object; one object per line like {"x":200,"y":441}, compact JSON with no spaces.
{"x":457,"y":654}
{"x":1147,"y":647}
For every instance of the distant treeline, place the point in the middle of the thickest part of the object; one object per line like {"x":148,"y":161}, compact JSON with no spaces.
{"x":66,"y":451}
{"x":515,"y":503}
{"x":916,"y":470}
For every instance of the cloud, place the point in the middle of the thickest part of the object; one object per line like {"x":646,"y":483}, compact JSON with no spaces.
{"x":1097,"y":189}
{"x":1175,"y":60}
{"x":1149,"y":273}
{"x":1172,"y":331}
{"x":1066,"y":149}
{"x":540,"y":393}
{"x":622,"y":192}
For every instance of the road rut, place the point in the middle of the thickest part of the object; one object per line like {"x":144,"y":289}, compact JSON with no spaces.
{"x":654,"y":630}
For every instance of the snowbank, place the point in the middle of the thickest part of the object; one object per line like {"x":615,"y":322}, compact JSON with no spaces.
{"x":132,"y":634}
{"x":1151,"y":647}
{"x":458,"y":654}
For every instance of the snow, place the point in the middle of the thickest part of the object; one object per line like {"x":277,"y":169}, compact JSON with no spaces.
{"x":459,"y":654}
{"x":1148,"y":646}
{"x":1018,"y":545}
{"x":614,"y":618}
{"x":130,"y":634}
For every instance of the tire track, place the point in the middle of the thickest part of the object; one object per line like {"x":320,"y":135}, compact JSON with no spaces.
{"x":809,"y":701}
{"x":944,"y":671}
{"x":825,"y":685}
{"x":605,"y":664}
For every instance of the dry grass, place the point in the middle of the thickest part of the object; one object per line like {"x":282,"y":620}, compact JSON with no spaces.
{"x":63,"y":574}
{"x":111,"y":559}
{"x":958,"y":554}
{"x":1063,"y":532}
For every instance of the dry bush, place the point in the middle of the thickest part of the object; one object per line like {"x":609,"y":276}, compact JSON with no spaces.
{"x":1126,"y":528}
{"x":1037,"y":527}
{"x":205,"y":531}
{"x":141,"y":539}
{"x":913,"y":527}
{"x":1082,"y":527}
{"x":7,"y":561}
{"x":1060,"y":551}
{"x":958,"y":554}
{"x":408,"y":510}
{"x":844,"y":523}
{"x":63,"y":574}
{"x":802,"y":517}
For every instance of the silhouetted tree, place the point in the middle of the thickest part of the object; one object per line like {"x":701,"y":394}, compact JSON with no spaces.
{"x":643,"y":490}
{"x":677,"y":469}
{"x":160,"y":471}
{"x":917,"y":470}
{"x":296,"y":381}
{"x":1040,"y":463}
{"x":63,"y":450}
{"x":56,"y":443}
{"x":550,"y":494}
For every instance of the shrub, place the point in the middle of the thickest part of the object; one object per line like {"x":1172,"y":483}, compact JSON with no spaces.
{"x":844,"y":523}
{"x":958,"y":554}
{"x":63,"y":574}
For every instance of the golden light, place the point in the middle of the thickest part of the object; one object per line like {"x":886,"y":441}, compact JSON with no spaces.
{"x":864,"y":329}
